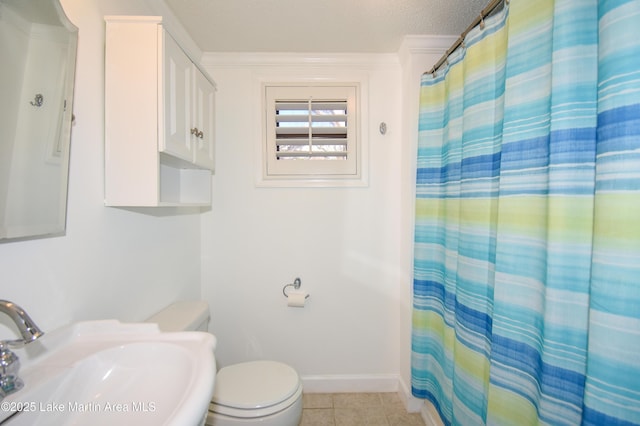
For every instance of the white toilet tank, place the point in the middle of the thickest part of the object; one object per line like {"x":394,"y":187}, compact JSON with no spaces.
{"x":183,"y":316}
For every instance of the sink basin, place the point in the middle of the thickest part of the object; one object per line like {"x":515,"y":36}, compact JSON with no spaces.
{"x":107,"y":372}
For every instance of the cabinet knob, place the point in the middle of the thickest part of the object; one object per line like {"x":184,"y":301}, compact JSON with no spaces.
{"x":195,"y":131}
{"x":200,"y":134}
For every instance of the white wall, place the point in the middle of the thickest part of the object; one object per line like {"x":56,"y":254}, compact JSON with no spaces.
{"x":344,"y":243}
{"x":352,"y":248}
{"x":112,"y":263}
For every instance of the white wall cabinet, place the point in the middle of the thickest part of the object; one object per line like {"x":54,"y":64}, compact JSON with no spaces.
{"x":159,"y":118}
{"x":203,"y":118}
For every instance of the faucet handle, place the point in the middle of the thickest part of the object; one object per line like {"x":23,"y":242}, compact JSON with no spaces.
{"x":9,"y":367}
{"x":13,"y":344}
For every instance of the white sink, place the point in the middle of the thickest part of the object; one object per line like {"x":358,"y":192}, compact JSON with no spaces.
{"x":107,"y":373}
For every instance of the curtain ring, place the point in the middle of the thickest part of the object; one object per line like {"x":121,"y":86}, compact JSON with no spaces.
{"x":482,"y":22}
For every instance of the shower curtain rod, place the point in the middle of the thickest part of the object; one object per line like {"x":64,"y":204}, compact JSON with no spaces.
{"x":483,"y":14}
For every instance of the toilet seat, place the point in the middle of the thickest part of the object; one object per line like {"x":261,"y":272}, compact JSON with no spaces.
{"x":255,"y":389}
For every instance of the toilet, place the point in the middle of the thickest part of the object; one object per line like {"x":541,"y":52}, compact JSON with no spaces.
{"x":268,"y":393}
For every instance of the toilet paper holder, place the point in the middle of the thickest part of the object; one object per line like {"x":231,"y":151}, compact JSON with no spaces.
{"x":295,"y":284}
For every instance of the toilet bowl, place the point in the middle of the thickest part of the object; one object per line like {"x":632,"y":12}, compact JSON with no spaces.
{"x":264,"y":392}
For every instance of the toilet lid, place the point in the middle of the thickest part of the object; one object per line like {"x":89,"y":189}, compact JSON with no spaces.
{"x":255,"y":384}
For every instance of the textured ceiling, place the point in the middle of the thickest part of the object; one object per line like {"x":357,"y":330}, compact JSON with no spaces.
{"x":369,"y":26}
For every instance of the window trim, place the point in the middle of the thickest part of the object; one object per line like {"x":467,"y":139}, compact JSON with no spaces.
{"x":319,"y":176}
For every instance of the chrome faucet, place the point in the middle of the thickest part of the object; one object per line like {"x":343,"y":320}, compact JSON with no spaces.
{"x":9,"y":362}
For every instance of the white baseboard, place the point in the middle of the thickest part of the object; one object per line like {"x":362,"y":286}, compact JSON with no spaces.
{"x":343,"y":383}
{"x":411,"y":403}
{"x":430,"y":415}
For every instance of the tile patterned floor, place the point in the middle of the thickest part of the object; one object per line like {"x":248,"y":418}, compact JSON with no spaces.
{"x":355,"y":409}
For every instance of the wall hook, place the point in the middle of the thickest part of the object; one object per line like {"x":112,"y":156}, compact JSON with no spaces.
{"x":38,"y":100}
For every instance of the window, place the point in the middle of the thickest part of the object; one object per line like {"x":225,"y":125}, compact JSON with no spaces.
{"x":311,"y":129}
{"x":311,"y":133}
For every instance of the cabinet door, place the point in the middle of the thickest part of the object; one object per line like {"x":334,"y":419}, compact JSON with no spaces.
{"x":178,"y":74}
{"x":204,"y":111}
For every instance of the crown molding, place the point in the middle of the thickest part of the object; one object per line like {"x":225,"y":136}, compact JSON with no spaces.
{"x":411,"y":45}
{"x":420,"y":45}
{"x":426,"y":44}
{"x":248,"y":59}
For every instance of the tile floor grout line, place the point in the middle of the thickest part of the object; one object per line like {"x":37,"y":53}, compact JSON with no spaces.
{"x":354,"y":409}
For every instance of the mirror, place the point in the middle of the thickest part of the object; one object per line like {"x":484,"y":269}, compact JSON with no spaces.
{"x":38,"y":50}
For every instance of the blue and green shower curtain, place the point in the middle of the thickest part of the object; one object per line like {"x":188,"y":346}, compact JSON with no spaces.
{"x":526,"y":303}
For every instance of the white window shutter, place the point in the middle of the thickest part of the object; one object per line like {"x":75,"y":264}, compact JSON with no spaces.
{"x":311,"y":131}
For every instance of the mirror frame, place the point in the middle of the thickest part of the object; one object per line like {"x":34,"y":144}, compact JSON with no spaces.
{"x":60,"y":153}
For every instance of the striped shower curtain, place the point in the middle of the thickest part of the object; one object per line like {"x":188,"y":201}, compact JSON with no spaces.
{"x":527,"y":238}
